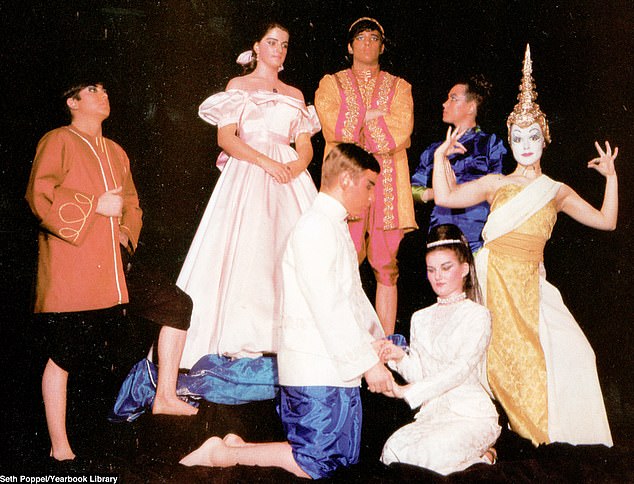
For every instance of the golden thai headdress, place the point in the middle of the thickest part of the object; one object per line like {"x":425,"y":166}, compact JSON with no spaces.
{"x":526,"y":111}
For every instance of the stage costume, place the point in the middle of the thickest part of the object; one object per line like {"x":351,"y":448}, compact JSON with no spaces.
{"x":457,"y":421}
{"x":154,"y":296}
{"x":342,"y":101}
{"x":232,"y":271}
{"x":484,"y":155}
{"x":79,"y":261}
{"x":541,"y":367}
{"x":328,"y":327}
{"x":213,"y":378}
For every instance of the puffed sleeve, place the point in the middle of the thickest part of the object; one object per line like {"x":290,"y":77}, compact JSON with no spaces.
{"x":223,"y":108}
{"x":308,"y":123}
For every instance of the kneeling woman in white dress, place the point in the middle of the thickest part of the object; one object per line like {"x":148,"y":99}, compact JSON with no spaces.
{"x":457,"y":424}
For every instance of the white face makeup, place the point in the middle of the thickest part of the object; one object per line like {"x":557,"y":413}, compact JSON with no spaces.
{"x":527,"y":144}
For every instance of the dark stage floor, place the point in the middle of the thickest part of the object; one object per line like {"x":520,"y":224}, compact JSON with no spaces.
{"x":148,"y":450}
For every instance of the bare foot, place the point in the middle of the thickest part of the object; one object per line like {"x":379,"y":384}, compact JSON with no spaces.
{"x":209,"y":454}
{"x":491,"y":455}
{"x":172,"y":405}
{"x":233,"y":440}
{"x":64,"y":454}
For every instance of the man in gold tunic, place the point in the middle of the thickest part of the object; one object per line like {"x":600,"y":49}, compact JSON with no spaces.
{"x":374,"y":109}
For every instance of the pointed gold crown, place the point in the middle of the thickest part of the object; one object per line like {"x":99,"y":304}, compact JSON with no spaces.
{"x":526,"y":111}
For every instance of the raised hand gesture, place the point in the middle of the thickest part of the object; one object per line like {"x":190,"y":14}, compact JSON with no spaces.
{"x":604,"y":163}
{"x":451,"y":145}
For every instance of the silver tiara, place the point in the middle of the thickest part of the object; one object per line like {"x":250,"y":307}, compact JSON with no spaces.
{"x":444,"y":242}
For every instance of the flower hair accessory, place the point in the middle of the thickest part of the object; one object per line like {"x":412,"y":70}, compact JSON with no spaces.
{"x":245,"y":58}
{"x":443,"y":242}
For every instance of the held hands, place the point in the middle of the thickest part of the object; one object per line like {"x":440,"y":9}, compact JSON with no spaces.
{"x":379,"y":379}
{"x":398,"y":391}
{"x":388,"y":351}
{"x":604,"y":163}
{"x":110,"y":203}
{"x":279,"y":171}
{"x":451,"y":145}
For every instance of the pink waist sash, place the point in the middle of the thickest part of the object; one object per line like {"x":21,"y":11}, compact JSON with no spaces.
{"x":257,"y":138}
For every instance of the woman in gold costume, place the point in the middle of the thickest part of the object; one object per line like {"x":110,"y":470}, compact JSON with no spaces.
{"x":541,"y":367}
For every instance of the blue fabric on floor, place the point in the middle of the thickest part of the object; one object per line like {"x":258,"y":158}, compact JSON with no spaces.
{"x":213,"y":378}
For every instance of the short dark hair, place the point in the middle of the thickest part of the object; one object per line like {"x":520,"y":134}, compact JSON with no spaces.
{"x":365,"y":25}
{"x":347,"y":157}
{"x":72,"y":92}
{"x":477,"y":88}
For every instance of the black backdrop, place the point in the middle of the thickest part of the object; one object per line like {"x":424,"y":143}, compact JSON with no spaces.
{"x":160,"y":59}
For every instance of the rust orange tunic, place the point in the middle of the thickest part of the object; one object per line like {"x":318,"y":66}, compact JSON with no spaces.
{"x":79,"y":261}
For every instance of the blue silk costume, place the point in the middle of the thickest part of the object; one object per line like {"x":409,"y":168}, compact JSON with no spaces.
{"x":222,"y":380}
{"x":484,"y":155}
{"x":213,"y":378}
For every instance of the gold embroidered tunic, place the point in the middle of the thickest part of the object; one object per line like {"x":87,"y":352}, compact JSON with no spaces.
{"x":342,"y":101}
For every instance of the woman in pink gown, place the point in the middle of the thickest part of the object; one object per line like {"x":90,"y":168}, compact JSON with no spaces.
{"x":232,"y":271}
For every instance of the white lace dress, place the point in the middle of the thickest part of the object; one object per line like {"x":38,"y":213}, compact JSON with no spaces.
{"x":457,"y":421}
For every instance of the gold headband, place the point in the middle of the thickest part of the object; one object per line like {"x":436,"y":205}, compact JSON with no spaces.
{"x":527,"y":111}
{"x":369,"y":19}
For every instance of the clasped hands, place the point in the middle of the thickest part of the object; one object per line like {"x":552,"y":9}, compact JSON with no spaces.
{"x":281,"y":172}
{"x":379,"y":378}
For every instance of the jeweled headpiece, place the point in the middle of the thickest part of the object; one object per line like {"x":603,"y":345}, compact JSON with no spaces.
{"x":369,"y":19}
{"x":526,"y":111}
{"x":444,"y":242}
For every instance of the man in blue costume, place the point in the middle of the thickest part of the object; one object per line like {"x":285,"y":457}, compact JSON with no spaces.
{"x":477,"y":154}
